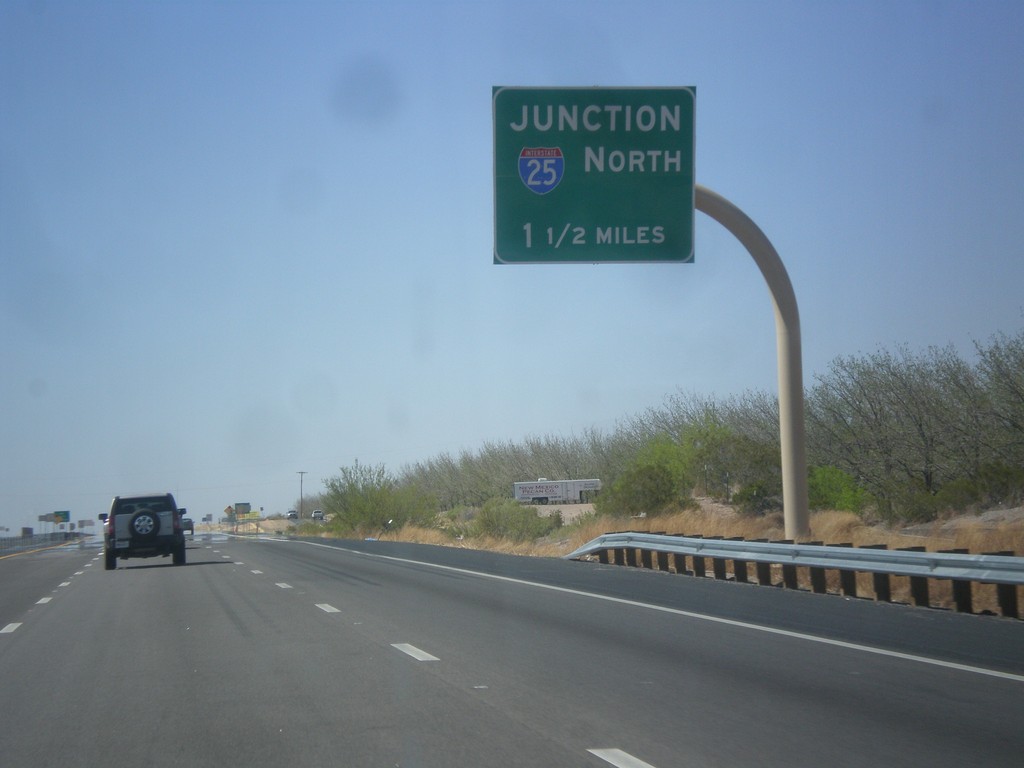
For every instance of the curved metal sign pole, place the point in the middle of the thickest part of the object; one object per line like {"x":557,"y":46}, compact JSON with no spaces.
{"x":787,"y":335}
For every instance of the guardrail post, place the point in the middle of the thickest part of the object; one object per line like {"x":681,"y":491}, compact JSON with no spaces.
{"x":602,"y":556}
{"x":660,"y":557}
{"x":847,"y":579}
{"x":679,"y":558}
{"x":1006,"y":594}
{"x":883,"y":593}
{"x":631,"y":556}
{"x":646,"y":559}
{"x":789,"y":575}
{"x":717,"y":563}
{"x":699,"y":569}
{"x":620,"y":556}
{"x":763,"y":571}
{"x":962,"y":596}
{"x":718,"y":568}
{"x":739,"y":567}
{"x":918,"y":584}
{"x":818,"y":583}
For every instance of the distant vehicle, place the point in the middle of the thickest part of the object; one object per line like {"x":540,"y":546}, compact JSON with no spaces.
{"x":188,"y":525}
{"x":292,"y":515}
{"x":545,"y":491}
{"x":318,"y":514}
{"x":143,"y":526}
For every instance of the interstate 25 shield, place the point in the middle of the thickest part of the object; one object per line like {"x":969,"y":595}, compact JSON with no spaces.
{"x":541,"y":168}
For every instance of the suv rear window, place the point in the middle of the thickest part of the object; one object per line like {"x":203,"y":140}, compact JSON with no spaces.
{"x":131,"y":506}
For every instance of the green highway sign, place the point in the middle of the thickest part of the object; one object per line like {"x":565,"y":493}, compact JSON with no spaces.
{"x":584,"y":175}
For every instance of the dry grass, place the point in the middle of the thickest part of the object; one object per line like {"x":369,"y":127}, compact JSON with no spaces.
{"x":438,"y":537}
{"x":1006,"y":536}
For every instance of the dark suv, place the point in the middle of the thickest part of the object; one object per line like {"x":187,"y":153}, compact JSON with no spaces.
{"x":143,"y":526}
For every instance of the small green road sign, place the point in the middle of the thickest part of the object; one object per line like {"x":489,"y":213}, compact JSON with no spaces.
{"x":62,"y":517}
{"x":584,"y":175}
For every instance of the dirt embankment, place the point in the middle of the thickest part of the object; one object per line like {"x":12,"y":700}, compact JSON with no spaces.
{"x":570,"y":512}
{"x":273,"y":525}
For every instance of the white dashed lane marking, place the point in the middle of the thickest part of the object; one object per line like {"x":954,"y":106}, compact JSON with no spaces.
{"x":619,"y":759}
{"x":415,"y":652}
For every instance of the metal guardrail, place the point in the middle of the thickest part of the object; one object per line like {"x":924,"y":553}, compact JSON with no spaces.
{"x":12,"y":544}
{"x":962,"y":569}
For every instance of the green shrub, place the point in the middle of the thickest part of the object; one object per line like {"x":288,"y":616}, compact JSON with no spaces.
{"x":831,"y":488}
{"x":657,"y":478}
{"x":958,"y":495}
{"x":508,"y":519}
{"x":1001,"y":483}
{"x":368,"y":499}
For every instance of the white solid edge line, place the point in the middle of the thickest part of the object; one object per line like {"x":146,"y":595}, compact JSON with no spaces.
{"x":700,"y":616}
{"x":415,"y":652}
{"x":619,"y":758}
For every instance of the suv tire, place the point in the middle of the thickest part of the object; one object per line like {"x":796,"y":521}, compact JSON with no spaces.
{"x":178,"y":556}
{"x":145,"y":525}
{"x":109,"y":560}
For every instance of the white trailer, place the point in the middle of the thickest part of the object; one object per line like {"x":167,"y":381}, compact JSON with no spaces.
{"x":544,"y":491}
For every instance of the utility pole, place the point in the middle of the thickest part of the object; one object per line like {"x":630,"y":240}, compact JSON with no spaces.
{"x":300,"y":474}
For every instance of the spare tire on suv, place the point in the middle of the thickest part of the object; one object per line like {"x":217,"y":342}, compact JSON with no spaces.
{"x":143,"y":526}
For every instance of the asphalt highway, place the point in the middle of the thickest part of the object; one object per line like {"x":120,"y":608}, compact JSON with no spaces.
{"x":273,"y":652}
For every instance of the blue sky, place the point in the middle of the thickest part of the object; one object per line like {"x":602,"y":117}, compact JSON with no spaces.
{"x":239,"y":240}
